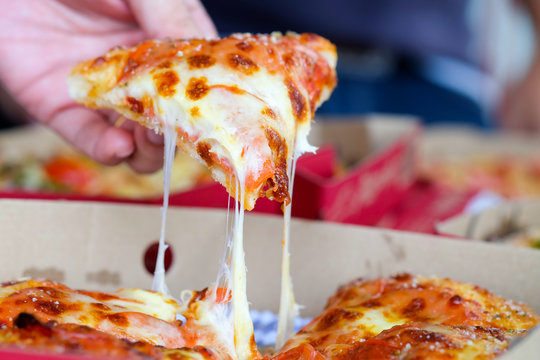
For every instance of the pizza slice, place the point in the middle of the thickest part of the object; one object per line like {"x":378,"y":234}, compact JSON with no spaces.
{"x":408,"y":315}
{"x":133,"y":315}
{"x":57,"y":338}
{"x":241,"y":104}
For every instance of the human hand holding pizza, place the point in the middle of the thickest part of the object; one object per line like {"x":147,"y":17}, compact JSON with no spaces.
{"x":41,"y":41}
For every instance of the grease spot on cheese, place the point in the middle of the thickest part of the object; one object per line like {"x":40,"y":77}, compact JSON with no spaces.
{"x":242,"y":63}
{"x":50,"y":307}
{"x":165,"y":65}
{"x":166,"y":83}
{"x":197,"y":88}
{"x":195,"y":111}
{"x":200,"y":61}
{"x":244,"y":46}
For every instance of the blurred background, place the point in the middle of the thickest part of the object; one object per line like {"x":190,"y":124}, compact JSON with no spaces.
{"x":444,"y":60}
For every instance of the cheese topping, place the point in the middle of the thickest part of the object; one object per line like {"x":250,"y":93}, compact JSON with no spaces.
{"x":288,"y":309}
{"x":170,"y":138}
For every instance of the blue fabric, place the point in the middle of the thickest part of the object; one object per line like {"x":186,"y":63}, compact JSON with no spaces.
{"x":265,"y":326}
{"x":410,"y":26}
{"x":405,"y":91}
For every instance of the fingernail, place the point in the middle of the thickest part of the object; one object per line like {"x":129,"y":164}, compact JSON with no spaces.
{"x":154,"y":138}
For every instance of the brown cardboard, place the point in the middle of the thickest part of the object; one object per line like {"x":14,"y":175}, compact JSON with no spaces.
{"x":449,"y":143}
{"x":522,"y":214}
{"x":100,"y":246}
{"x":358,"y":137}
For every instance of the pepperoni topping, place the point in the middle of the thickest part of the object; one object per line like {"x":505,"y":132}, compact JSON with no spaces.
{"x":200,"y":61}
{"x":135,"y":105}
{"x":242,"y":63}
{"x":166,"y":83}
{"x":197,"y":88}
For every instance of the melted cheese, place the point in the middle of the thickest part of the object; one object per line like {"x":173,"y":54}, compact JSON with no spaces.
{"x":170,"y":138}
{"x":244,"y":340}
{"x":288,"y":309}
{"x":362,"y":310}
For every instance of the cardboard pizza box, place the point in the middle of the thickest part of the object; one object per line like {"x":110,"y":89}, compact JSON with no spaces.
{"x":379,"y":154}
{"x":459,"y":142}
{"x":495,"y":223}
{"x":102,"y":247}
{"x":470,"y":159}
{"x":436,"y":198}
{"x":363,"y":167}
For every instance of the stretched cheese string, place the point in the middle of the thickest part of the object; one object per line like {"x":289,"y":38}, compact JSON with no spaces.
{"x":232,"y":318}
{"x":288,"y":309}
{"x":170,"y":137}
{"x":224,"y":273}
{"x":243,"y":325}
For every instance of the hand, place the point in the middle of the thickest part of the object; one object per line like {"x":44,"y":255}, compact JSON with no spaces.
{"x":520,"y":109}
{"x":40,"y":41}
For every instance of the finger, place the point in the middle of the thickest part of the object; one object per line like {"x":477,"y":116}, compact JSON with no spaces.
{"x":117,"y":9}
{"x":148,"y":155}
{"x":201,"y":18}
{"x":88,"y":131}
{"x":173,"y":18}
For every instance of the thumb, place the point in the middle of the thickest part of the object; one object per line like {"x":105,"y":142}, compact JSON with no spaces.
{"x":173,"y":18}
